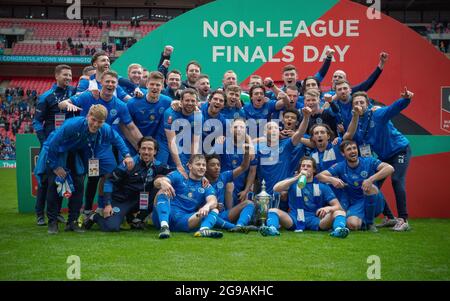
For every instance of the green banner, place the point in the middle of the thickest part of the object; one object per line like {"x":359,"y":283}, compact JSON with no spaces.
{"x":27,"y":151}
{"x":217,"y":34}
{"x":7,"y":164}
{"x":45,"y":59}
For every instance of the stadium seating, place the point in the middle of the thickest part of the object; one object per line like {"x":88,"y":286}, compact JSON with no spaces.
{"x":45,"y":49}
{"x":61,"y":30}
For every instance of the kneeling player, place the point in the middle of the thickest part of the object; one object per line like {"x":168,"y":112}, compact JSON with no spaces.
{"x":313,"y":207}
{"x":357,"y":175}
{"x":190,"y":206}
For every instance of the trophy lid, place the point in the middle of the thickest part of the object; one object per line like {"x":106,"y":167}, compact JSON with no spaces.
{"x":263,"y":192}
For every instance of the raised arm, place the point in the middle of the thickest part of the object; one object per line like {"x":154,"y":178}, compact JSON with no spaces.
{"x":369,"y":82}
{"x":245,"y":163}
{"x":296,"y":138}
{"x":353,"y":126}
{"x":285,"y":184}
{"x":320,"y":75}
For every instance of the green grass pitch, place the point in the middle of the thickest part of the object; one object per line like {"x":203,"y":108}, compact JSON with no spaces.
{"x":27,"y":252}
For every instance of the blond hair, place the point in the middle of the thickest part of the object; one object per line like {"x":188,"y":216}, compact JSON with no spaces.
{"x":134,"y":66}
{"x":98,"y":111}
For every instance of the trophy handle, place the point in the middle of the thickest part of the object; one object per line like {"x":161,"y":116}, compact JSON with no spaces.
{"x":275,"y":200}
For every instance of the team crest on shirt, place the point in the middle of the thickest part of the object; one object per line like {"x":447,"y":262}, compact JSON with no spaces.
{"x":236,"y":115}
{"x":319,"y":120}
{"x":364,"y":174}
{"x":220,"y":184}
{"x":113,"y":112}
{"x":201,"y":190}
{"x":234,"y":162}
{"x":281,"y":149}
{"x":190,"y":195}
{"x":306,"y":199}
{"x":265,"y":112}
{"x":372,"y":124}
{"x":161,"y":110}
{"x":356,"y":184}
{"x":152,"y":117}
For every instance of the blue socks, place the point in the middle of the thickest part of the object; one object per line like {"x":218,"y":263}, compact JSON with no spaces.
{"x":209,"y":221}
{"x":163,"y":208}
{"x":223,"y":224}
{"x":339,"y":222}
{"x":370,"y":208}
{"x":273,"y":220}
{"x":246,"y":215}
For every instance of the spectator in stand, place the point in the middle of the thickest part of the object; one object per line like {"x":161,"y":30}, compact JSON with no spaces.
{"x":110,"y":48}
{"x":108,"y":24}
{"x":104,"y":46}
{"x":87,"y":50}
{"x":100,"y":24}
{"x":87,"y":32}
{"x":69,"y":41}
{"x":64,"y":45}
{"x":84,"y":22}
{"x":58,"y":45}
{"x":93,"y":50}
{"x":91,"y":22}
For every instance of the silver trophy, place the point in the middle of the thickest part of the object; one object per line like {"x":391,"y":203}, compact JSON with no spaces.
{"x":263,"y":202}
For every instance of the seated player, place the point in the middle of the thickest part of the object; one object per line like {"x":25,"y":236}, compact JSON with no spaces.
{"x":313,"y":207}
{"x":184,"y":204}
{"x":128,"y":191}
{"x":356,"y":176}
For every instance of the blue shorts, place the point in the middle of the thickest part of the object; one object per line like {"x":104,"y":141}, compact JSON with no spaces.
{"x":358,"y":207}
{"x":312,"y":221}
{"x":178,"y":220}
{"x":342,"y":197}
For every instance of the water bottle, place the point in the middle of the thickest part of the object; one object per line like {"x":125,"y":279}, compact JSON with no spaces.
{"x":301,"y":183}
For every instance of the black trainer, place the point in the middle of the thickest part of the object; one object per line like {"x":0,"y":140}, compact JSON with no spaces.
{"x":73,"y":226}
{"x":53,"y":228}
{"x":88,"y":221}
{"x":164,"y":232}
{"x":239,"y":229}
{"x":40,"y":220}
